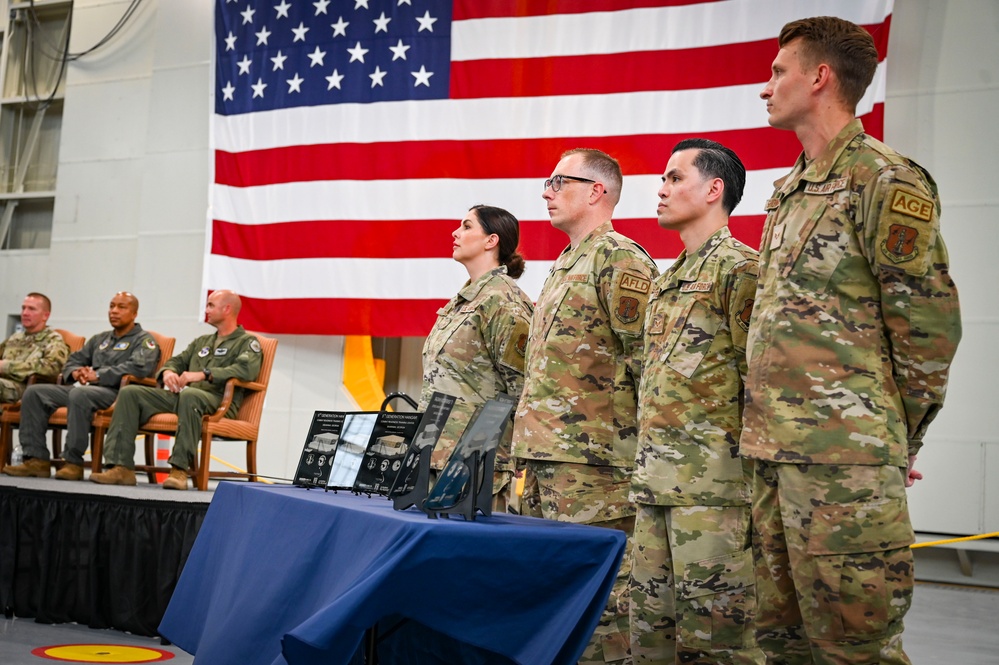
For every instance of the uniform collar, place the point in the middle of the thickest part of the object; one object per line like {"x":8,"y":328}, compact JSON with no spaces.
{"x":136,"y":329}
{"x":235,"y":333}
{"x":43,"y":330}
{"x":687,"y":268}
{"x":818,"y":169}
{"x":570,"y":255}
{"x":472,"y":289}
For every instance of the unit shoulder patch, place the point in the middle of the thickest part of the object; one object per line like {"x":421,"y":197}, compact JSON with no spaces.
{"x":906,"y":230}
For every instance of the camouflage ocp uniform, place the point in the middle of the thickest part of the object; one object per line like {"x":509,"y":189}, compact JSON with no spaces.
{"x":577,"y":421}
{"x":474,"y":352}
{"x":692,"y":578}
{"x":24,"y":354}
{"x":855,"y":326}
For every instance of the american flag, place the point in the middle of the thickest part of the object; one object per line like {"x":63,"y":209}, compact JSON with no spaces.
{"x":350,"y":136}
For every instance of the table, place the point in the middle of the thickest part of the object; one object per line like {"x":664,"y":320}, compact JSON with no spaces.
{"x":288,"y":575}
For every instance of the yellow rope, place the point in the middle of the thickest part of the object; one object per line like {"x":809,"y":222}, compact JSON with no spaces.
{"x":933,"y":543}
{"x":236,"y":468}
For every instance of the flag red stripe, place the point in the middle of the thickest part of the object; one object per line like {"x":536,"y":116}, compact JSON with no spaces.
{"x":472,"y":9}
{"x":340,"y":316}
{"x":500,"y":158}
{"x":761,"y":148}
{"x":713,"y":67}
{"x":422,"y":238}
{"x":710,"y":67}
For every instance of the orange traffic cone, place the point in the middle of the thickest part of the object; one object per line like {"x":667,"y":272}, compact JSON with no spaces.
{"x":162,"y":455}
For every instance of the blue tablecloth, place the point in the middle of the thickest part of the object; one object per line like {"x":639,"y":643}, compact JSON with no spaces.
{"x":289,"y":575}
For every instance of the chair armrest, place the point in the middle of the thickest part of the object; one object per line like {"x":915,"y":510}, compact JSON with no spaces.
{"x":41,"y":378}
{"x":131,"y":378}
{"x":230,"y":392}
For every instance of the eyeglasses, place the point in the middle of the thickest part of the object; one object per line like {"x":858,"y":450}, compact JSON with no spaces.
{"x":555,"y":182}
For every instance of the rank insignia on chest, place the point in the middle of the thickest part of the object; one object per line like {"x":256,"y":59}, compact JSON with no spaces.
{"x":627,"y":309}
{"x":658,"y":324}
{"x":772,"y":204}
{"x":204,"y":352}
{"x":777,"y":237}
{"x":221,"y":351}
{"x":120,"y":346}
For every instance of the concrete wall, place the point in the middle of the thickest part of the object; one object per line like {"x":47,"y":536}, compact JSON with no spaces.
{"x":132,"y":199}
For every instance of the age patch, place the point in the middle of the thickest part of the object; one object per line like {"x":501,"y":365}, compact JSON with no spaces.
{"x":906,"y":229}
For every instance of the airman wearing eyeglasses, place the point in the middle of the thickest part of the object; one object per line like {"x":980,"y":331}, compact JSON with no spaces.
{"x":576,"y":423}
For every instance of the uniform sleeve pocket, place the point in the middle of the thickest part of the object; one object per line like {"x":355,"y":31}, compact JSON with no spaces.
{"x":691,"y":338}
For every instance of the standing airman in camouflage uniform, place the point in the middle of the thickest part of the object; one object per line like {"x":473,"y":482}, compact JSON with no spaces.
{"x":90,"y":382}
{"x":692,"y":579}
{"x":37,"y":350}
{"x":577,"y":421}
{"x":193,"y":383}
{"x":476,"y":348}
{"x":855,"y":326}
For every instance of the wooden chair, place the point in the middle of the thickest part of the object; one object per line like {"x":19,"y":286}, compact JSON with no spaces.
{"x":10,"y":415}
{"x":244,"y":426}
{"x":58,"y":419}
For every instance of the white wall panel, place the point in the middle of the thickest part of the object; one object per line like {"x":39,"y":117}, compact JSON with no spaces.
{"x":104,"y":121}
{"x":949,"y":465}
{"x":175,"y":121}
{"x":97,"y":201}
{"x":174,"y":195}
{"x":942,"y":90}
{"x":182,"y":38}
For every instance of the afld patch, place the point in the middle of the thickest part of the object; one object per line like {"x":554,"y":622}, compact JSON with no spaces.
{"x":635,"y":283}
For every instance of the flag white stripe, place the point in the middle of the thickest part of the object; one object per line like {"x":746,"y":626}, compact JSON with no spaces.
{"x":360,"y":278}
{"x":688,"y":111}
{"x":376,"y":200}
{"x":648,"y":29}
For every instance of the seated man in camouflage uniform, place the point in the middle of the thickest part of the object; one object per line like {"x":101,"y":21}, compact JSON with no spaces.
{"x":37,"y":350}
{"x":90,"y":382}
{"x":192,"y":386}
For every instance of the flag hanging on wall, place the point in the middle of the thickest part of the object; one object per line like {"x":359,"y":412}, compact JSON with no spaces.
{"x":351,"y":136}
